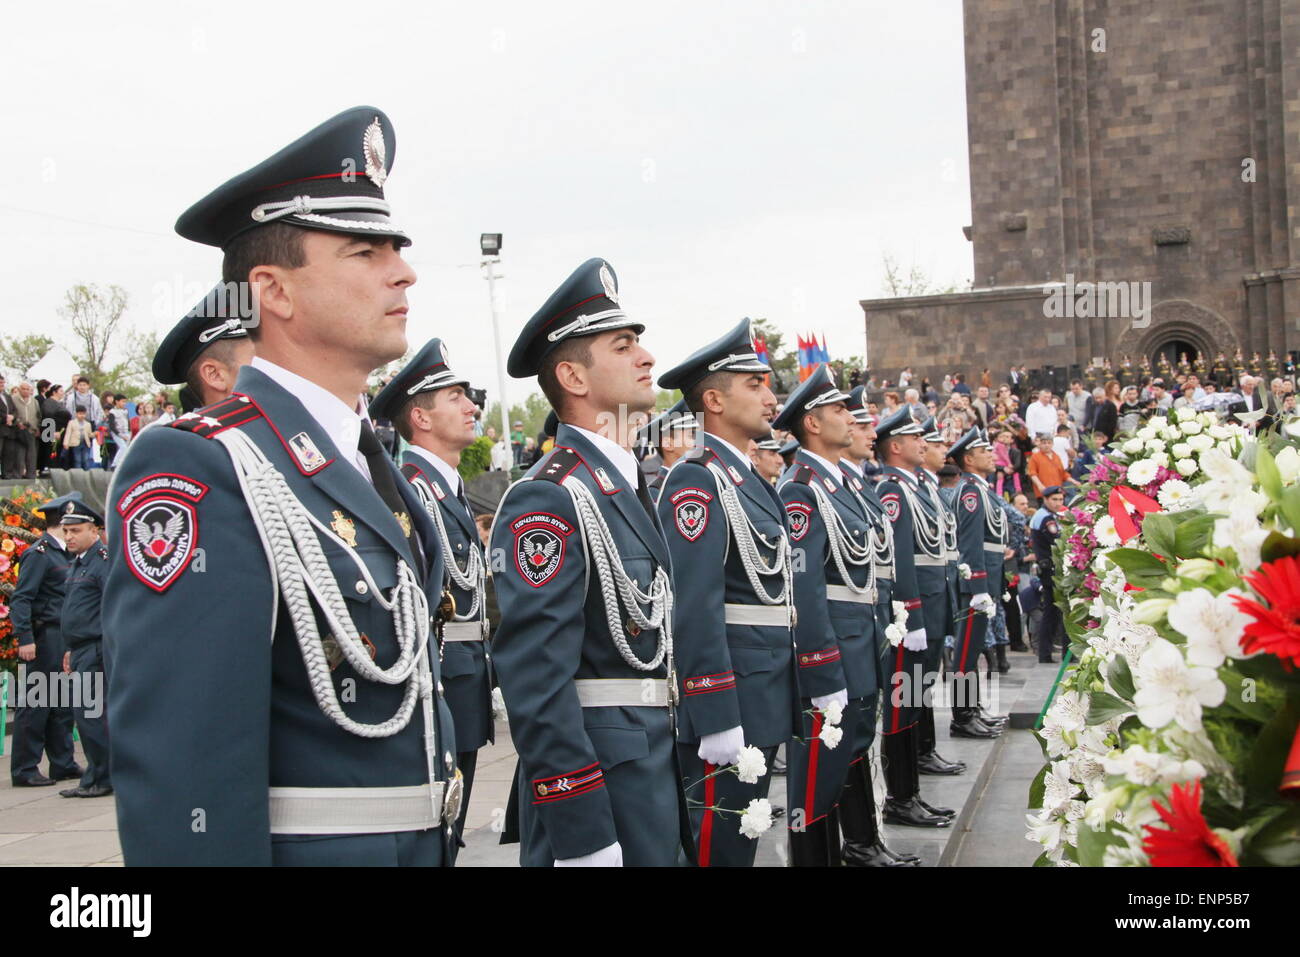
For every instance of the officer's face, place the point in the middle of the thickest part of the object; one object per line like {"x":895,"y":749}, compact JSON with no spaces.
{"x":769,"y":463}
{"x":619,"y":377}
{"x":864,"y":437}
{"x":836,"y":421}
{"x":80,"y":536}
{"x":349,"y":299}
{"x":983,"y":461}
{"x":934,"y":455}
{"x":450,"y":421}
{"x":749,"y":404}
{"x":1054,"y":503}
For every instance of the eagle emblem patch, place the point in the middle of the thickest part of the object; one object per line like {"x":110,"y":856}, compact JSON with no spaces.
{"x":970,"y":501}
{"x":691,"y":515}
{"x":799,"y":516}
{"x":891,"y":504}
{"x":159,"y":540}
{"x":539,"y":546}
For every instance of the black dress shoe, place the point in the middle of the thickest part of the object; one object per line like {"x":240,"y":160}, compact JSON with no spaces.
{"x":96,"y":791}
{"x":911,"y":860}
{"x":972,"y":728}
{"x":35,"y":781}
{"x":73,"y":775}
{"x":933,"y":764}
{"x":940,"y":811}
{"x":911,"y":814}
{"x":992,"y":720}
{"x":872,"y":855}
{"x":961,"y":764}
{"x":778,"y":766}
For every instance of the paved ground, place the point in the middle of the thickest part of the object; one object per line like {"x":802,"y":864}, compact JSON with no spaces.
{"x":37,"y":827}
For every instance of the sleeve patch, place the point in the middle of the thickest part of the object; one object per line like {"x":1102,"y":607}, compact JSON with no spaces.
{"x":892,"y":505}
{"x":811,"y":659}
{"x":970,"y":501}
{"x":539,"y":546}
{"x":800,"y":515}
{"x":707,"y":684}
{"x":159,"y":538}
{"x":690,"y":515}
{"x":548,"y":790}
{"x":161,"y":483}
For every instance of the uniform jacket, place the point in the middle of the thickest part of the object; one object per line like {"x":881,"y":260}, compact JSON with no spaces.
{"x":466,"y":666}
{"x":837,"y":646}
{"x":728,"y":674}
{"x":85,"y":596}
{"x":974,"y":503}
{"x":554,"y":629}
{"x":208,"y":695}
{"x":42,"y":579}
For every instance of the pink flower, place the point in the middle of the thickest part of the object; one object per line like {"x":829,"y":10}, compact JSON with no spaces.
{"x":1093,"y":495}
{"x":4,"y":563}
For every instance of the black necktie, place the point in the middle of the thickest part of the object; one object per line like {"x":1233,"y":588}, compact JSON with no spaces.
{"x":382,"y":477}
{"x":643,"y":495}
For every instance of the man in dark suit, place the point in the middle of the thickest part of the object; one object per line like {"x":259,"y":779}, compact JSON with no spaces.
{"x":9,"y":446}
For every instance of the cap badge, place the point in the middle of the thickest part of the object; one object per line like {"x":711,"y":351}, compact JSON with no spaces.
{"x":69,"y":508}
{"x":607,"y":280}
{"x":375,"y":153}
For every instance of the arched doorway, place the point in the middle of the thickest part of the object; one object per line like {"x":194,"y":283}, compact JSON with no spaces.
{"x":1173,"y":351}
{"x":1181,"y":325}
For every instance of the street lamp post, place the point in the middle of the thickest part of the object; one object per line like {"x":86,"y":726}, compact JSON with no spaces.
{"x":490,"y":246}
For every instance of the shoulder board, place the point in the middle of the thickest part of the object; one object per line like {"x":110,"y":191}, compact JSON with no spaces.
{"x":803,"y":475}
{"x":103,"y":553}
{"x":410,"y":470}
{"x":214,"y":419}
{"x":696,"y":453}
{"x":38,"y":547}
{"x":559,"y":465}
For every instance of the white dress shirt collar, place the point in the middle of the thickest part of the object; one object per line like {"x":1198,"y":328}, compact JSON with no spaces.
{"x":731,"y":448}
{"x":619,"y":457}
{"x":341,"y":424}
{"x":450,"y":477}
{"x":832,"y":470}
{"x":851,"y":466}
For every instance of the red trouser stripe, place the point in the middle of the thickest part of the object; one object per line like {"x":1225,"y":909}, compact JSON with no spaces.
{"x":810,"y":795}
{"x":965,"y":639}
{"x":894,"y":709}
{"x":706,"y":827}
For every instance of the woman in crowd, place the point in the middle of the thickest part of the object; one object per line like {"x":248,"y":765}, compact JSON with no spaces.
{"x":55,"y":411}
{"x":1131,"y":410}
{"x":1107,"y":419}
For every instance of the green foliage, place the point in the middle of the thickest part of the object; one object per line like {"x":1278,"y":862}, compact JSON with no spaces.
{"x":1121,"y":678}
{"x":475,"y":459}
{"x":1104,"y":706}
{"x":532,"y":413}
{"x":1092,"y":845}
{"x":20,"y":353}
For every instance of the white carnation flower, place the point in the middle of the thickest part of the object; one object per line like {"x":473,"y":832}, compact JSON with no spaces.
{"x":1132,"y":447}
{"x":1142,"y":473}
{"x":833,"y":712}
{"x":1168,"y":689}
{"x":750,"y":766}
{"x":1181,"y":450}
{"x":964,"y":571}
{"x":1190,"y":427}
{"x":1212,"y":623}
{"x":756,"y":819}
{"x":895,"y":632}
{"x":830,"y":735}
{"x":1155,"y":445}
{"x":1186,"y":467}
{"x":1218,"y":433}
{"x":1104,"y":529}
{"x":900,"y":610}
{"x":1145,"y":433}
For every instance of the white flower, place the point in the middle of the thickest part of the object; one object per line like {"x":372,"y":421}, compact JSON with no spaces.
{"x":1218,"y":433}
{"x":1146,"y":432}
{"x":830,"y":735}
{"x":1086,"y":768}
{"x":1186,"y":467}
{"x":1175,"y":494}
{"x":1058,"y":789}
{"x":1171,"y":434}
{"x":1132,"y":447}
{"x":833,"y":713}
{"x":756,"y":819}
{"x":1190,"y":427}
{"x":1006,"y":596}
{"x":1070,"y":711}
{"x":498,"y":705}
{"x":1170,"y":690}
{"x":964,"y":571}
{"x":1141,"y":473}
{"x":1158,"y":422}
{"x":1181,"y":450}
{"x":1104,"y":529}
{"x":1212,"y":624}
{"x":1104,"y":808}
{"x":1223,"y":496}
{"x":1046,"y":830}
{"x":1200,"y":443}
{"x":900,"y":611}
{"x":1293,"y":428}
{"x":1146,"y":768}
{"x":1288,"y":464}
{"x":1226,"y":448}
{"x":895,"y":632}
{"x":1155,"y":445}
{"x":1242,"y":532}
{"x":750,"y":766}
{"x":1161,"y":459}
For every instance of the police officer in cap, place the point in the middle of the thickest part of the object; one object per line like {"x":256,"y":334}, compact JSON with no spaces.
{"x":303,"y":722}
{"x":671,"y":434}
{"x":584,"y":649}
{"x":766,"y":456}
{"x":428,"y":405}
{"x":733,"y":628}
{"x":1043,"y":530}
{"x":981,"y":539}
{"x":35,"y":610}
{"x":919,"y":580}
{"x":84,"y":636}
{"x":208,"y":347}
{"x":838,"y":649}
{"x":787,"y":451}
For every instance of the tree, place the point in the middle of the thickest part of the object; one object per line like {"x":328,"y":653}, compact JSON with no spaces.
{"x":532,"y":414}
{"x":915,"y":283}
{"x":20,"y":353}
{"x":94,"y":316}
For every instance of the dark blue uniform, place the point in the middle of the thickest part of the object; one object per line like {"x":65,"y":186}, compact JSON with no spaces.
{"x":733,"y":669}
{"x":981,"y":540}
{"x":219,"y":741}
{"x":590,"y":773}
{"x":1043,"y":530}
{"x":940,"y":615}
{"x":84,"y":633}
{"x":35,"y":609}
{"x":466,"y":666}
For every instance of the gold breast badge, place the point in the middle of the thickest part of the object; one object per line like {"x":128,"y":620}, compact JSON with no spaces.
{"x":403,"y":520}
{"x":344,"y":528}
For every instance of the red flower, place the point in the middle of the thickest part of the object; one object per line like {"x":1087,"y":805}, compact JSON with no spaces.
{"x":1188,"y":841}
{"x":1276,"y":628}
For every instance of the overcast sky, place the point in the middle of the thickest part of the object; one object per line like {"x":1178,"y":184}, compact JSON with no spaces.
{"x":728,"y":158}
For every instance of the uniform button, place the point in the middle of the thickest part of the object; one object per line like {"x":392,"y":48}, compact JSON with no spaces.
{"x":633,"y":628}
{"x":459,"y":546}
{"x":362,"y":588}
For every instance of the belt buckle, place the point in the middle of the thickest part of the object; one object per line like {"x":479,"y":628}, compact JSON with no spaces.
{"x":451,"y":801}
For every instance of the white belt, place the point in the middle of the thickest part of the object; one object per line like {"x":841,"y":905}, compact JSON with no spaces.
{"x":885,"y":571}
{"x":463,"y":631}
{"x":994,"y":547}
{"x":356,"y":810}
{"x":622,"y":692}
{"x":845,"y":593}
{"x":929,"y":560}
{"x":777,"y":615}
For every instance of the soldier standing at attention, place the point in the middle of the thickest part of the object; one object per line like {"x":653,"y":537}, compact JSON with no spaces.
{"x":206,"y":349}
{"x":766,"y":456}
{"x":838,"y":655}
{"x":732,"y":633}
{"x":584,"y":650}
{"x":302,"y":724}
{"x":35,"y":610}
{"x":428,"y":405}
{"x":671,"y":434}
{"x":84,"y":636}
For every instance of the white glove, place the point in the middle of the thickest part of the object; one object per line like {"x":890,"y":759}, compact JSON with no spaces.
{"x":821,"y":701}
{"x":982,"y":603}
{"x":915,"y":640}
{"x":723,"y":747}
{"x":611,"y":856}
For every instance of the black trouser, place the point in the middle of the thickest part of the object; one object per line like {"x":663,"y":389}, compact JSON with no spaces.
{"x":466,"y":761}
{"x":717,"y":832}
{"x":43,"y":729}
{"x":91,"y":712}
{"x":1051,"y":626}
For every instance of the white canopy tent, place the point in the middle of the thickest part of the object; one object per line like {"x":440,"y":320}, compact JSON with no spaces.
{"x":57,"y":365}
